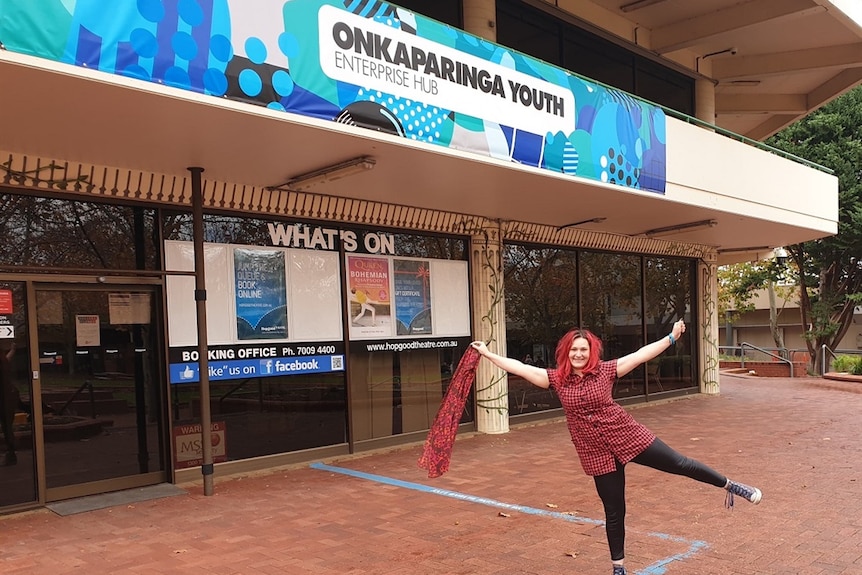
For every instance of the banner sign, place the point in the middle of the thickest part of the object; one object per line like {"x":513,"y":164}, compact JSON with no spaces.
{"x":238,"y":361}
{"x":372,"y":65}
{"x":408,"y":344}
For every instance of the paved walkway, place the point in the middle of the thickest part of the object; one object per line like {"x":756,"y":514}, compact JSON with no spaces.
{"x":513,"y":504}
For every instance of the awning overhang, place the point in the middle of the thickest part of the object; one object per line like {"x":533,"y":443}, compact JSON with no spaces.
{"x":61,"y":112}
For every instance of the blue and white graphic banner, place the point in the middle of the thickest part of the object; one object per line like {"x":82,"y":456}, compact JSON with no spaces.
{"x":370,"y":65}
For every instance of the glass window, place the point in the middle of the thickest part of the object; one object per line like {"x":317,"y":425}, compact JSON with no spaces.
{"x":598,"y":60}
{"x":537,"y":33}
{"x":393,"y":393}
{"x":611,"y":308}
{"x":541,"y":306}
{"x":662,"y":86}
{"x":446,"y":11}
{"x":266,"y":416}
{"x":50,"y":232}
{"x":626,"y":300}
{"x":398,"y":379}
{"x":669,"y":293}
{"x":529,"y":31}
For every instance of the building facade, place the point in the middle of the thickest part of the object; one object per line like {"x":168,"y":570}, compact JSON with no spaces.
{"x":285,"y":224}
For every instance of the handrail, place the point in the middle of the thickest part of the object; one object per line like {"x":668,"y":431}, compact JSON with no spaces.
{"x":744,"y":344}
{"x":745,"y":140}
{"x":823,"y":349}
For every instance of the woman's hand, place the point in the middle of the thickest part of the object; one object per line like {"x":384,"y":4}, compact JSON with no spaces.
{"x":480,"y":347}
{"x":678,"y":329}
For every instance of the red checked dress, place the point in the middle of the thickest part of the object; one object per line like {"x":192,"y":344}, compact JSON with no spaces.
{"x":600,"y":428}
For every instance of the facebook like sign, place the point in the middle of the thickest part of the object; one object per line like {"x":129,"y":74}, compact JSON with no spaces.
{"x":269,"y":367}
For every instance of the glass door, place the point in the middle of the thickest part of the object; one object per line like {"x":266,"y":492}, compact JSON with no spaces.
{"x":100,"y":388}
{"x":17,"y":462}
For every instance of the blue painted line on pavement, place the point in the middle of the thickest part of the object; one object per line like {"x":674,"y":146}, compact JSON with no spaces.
{"x":657,"y":568}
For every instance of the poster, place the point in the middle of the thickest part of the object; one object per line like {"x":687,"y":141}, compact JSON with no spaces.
{"x":87,"y":331}
{"x":412,"y":297}
{"x":129,"y":308}
{"x":261,"y":294}
{"x":369,"y":300}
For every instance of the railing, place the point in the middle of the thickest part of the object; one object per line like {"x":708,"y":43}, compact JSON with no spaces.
{"x":824,"y":349}
{"x":744,"y":345}
{"x":717,"y":129}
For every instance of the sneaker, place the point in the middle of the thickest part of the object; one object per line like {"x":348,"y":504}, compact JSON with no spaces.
{"x":752,"y":494}
{"x":619,"y":570}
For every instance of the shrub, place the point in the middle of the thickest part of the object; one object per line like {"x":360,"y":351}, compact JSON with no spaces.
{"x":841,"y":363}
{"x":848,"y":364}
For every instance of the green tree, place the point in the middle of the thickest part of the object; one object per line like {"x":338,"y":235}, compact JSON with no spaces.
{"x":737,"y":284}
{"x":830,"y":278}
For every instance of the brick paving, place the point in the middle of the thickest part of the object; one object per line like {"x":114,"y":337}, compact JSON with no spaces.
{"x":795,"y":439}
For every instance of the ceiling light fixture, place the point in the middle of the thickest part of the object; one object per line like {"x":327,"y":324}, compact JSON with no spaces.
{"x":743,"y":250}
{"x":638,"y":4}
{"x":589,"y":221}
{"x":744,"y":82}
{"x":328,"y":174}
{"x":687,"y":227}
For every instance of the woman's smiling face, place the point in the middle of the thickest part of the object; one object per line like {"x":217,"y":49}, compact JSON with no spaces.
{"x":579,"y":354}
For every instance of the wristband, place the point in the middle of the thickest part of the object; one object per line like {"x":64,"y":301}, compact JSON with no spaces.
{"x":671,"y":338}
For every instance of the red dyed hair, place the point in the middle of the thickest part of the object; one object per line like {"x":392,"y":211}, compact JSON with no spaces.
{"x":564,"y":366}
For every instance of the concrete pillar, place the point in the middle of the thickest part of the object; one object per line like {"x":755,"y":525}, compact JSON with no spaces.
{"x":480,"y":18}
{"x":489,"y":325}
{"x":708,"y":274}
{"x":704,"y":100}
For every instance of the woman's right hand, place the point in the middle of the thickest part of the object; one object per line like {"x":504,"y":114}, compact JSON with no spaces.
{"x":480,"y":347}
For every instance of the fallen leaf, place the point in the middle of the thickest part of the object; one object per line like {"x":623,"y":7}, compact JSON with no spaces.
{"x":551,"y":505}
{"x":572,"y":553}
{"x":501,"y":514}
{"x":694,"y":439}
{"x":179,"y":550}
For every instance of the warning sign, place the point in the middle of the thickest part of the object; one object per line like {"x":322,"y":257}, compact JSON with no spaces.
{"x":188,"y":448}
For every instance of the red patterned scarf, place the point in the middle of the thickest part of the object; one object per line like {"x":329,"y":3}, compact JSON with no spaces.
{"x":441,"y":437}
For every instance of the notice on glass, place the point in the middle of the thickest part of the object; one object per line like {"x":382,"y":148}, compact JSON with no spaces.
{"x":87,"y":331}
{"x":260,"y":294}
{"x":129,"y":308}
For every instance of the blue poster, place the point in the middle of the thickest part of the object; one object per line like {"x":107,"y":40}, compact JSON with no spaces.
{"x":261,"y":294}
{"x":413,"y":297}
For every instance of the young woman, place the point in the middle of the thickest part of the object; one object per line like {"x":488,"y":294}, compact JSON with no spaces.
{"x":606,"y":437}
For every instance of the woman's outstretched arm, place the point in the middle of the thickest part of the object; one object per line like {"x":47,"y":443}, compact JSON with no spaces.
{"x":650,"y":351}
{"x":535,"y":375}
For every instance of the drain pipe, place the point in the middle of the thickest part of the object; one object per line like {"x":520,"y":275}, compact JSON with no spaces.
{"x":207,"y":468}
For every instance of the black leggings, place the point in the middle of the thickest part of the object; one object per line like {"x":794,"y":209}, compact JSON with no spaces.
{"x":612,"y":487}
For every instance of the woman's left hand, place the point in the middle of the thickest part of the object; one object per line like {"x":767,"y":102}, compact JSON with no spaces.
{"x":678,"y":329}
